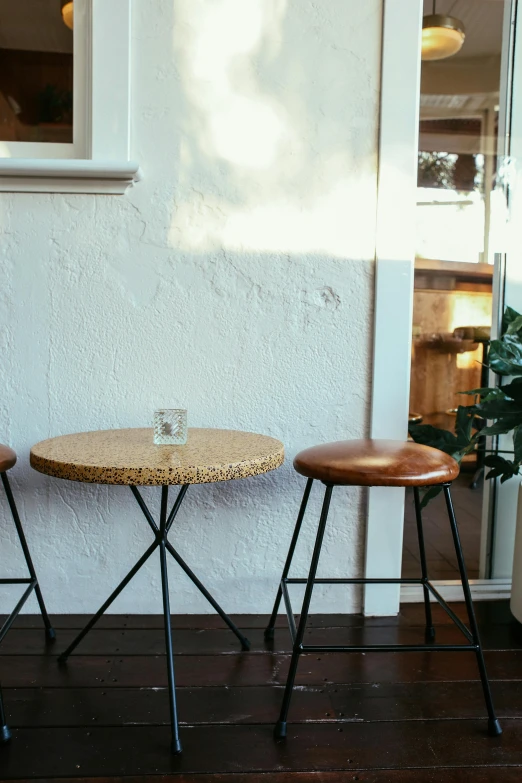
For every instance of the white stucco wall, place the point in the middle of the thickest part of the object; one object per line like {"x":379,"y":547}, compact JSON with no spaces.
{"x":236,"y":279}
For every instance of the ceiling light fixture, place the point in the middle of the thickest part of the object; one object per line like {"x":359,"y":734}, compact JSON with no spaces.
{"x":442,"y":36}
{"x":68,"y":13}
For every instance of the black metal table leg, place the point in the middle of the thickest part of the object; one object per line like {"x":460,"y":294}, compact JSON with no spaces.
{"x":280,"y":728}
{"x":245,"y":644}
{"x":430,"y":630}
{"x":494,"y":727}
{"x":269,"y":630}
{"x":161,"y":541}
{"x":134,"y":570}
{"x":175,"y":742}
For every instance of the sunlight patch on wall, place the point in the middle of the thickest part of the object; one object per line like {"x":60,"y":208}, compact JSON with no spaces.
{"x":334,"y":220}
{"x":275,"y":155}
{"x":239,"y":122}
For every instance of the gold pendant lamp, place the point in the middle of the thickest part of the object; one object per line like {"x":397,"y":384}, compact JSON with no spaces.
{"x":68,"y":13}
{"x":442,"y":36}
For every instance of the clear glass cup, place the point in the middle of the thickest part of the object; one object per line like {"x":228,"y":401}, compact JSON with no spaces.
{"x":170,"y":427}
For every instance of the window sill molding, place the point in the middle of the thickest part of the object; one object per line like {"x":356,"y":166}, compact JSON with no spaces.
{"x":67,"y":176}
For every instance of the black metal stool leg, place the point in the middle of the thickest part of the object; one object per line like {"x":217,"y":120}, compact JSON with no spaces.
{"x":269,"y":631}
{"x":5,"y":732}
{"x":280,"y":728}
{"x":494,"y":727}
{"x":49,"y":630}
{"x":430,"y":630}
{"x":176,"y":744}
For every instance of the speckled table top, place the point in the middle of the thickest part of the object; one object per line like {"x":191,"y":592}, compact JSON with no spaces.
{"x":129,"y":456}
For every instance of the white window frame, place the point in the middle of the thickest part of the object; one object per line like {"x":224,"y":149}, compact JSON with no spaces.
{"x":98,"y":160}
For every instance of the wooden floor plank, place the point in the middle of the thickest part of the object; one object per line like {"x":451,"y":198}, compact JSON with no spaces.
{"x":488,"y":613}
{"x":215,"y":641}
{"x":76,"y":707}
{"x":248,"y":669}
{"x":439,"y":775}
{"x":234,"y":749}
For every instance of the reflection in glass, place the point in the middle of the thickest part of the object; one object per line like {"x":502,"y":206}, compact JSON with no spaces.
{"x":36,"y":72}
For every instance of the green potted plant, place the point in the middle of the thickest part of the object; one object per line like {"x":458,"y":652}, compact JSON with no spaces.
{"x":499,"y":409}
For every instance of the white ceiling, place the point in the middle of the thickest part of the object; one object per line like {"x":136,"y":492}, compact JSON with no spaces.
{"x":34,"y":25}
{"x":482,"y":21}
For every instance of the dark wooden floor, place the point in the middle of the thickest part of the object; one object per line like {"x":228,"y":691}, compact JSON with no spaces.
{"x":440,"y":552}
{"x":411,"y":717}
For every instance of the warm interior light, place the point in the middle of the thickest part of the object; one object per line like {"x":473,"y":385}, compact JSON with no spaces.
{"x":68,"y":13}
{"x":442,"y":36}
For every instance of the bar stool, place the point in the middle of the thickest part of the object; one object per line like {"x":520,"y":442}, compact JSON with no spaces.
{"x":371,"y":463}
{"x":7,"y":461}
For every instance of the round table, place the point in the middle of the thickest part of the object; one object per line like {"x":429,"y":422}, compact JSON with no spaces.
{"x":129,"y":456}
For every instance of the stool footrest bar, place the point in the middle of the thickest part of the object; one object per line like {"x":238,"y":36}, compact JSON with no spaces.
{"x":358,"y":648}
{"x":354,"y":581}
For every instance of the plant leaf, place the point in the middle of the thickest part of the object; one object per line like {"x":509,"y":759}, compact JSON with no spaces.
{"x":502,"y":426}
{"x":515,"y":325}
{"x":509,"y":316}
{"x":435,"y":437}
{"x":429,"y":494}
{"x":517,"y":443}
{"x":505,"y":355}
{"x":501,"y":468}
{"x":464,"y":425}
{"x":513,"y":390}
{"x":487,"y":393}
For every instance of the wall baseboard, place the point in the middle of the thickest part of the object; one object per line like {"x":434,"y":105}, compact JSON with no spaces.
{"x":481,"y":590}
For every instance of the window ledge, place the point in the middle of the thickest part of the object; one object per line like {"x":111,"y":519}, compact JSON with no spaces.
{"x":67,"y":176}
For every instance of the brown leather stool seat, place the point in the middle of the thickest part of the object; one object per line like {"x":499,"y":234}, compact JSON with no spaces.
{"x":7,"y":458}
{"x":376,"y":463}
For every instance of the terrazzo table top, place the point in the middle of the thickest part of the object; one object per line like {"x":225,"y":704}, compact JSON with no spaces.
{"x":129,"y":456}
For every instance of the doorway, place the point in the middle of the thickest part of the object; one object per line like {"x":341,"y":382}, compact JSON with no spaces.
{"x":459,"y":196}
{"x":456,"y":274}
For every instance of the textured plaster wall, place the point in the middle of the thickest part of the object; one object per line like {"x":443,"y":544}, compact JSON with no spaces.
{"x":235,"y":279}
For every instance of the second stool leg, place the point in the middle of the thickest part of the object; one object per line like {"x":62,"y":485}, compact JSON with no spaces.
{"x":269,"y":630}
{"x":49,"y":630}
{"x":5,"y":732}
{"x":494,"y":727}
{"x":280,"y":727}
{"x":430,"y":630}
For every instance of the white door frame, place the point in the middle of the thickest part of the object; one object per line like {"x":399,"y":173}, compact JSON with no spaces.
{"x":395,"y":250}
{"x":395,"y":256}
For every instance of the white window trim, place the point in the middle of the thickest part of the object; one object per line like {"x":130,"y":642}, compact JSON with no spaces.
{"x":99,"y":160}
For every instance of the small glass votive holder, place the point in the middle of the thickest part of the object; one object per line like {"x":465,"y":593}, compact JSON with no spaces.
{"x":170,"y":427}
